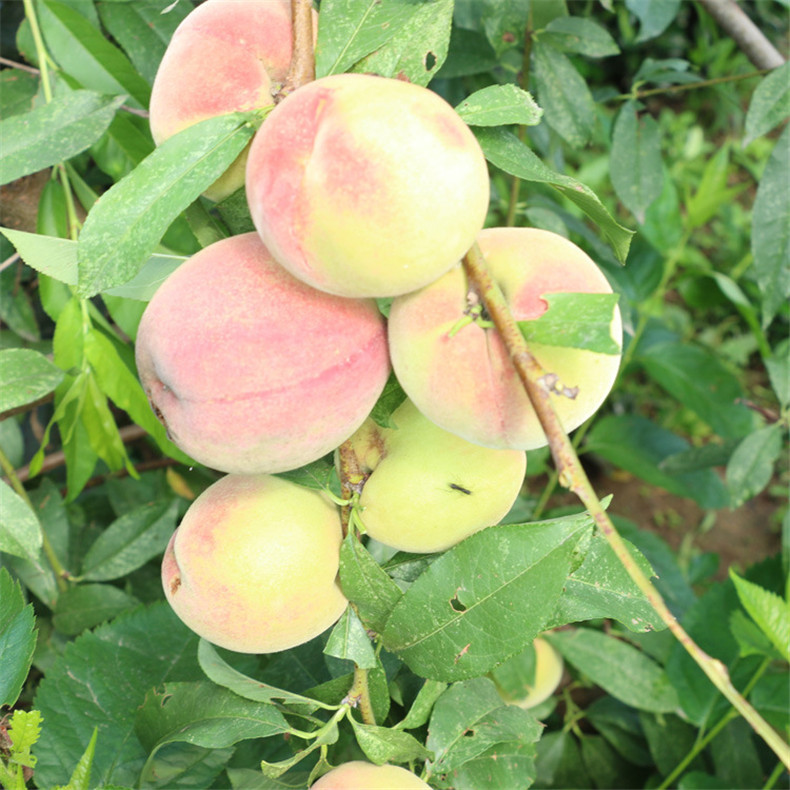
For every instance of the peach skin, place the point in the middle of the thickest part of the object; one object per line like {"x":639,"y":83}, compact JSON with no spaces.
{"x":366,"y":186}
{"x":463,"y":380}
{"x":361,"y":775}
{"x":250,"y":369}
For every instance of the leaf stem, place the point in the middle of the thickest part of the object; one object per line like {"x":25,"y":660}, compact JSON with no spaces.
{"x":572,"y":476}
{"x":41,"y":52}
{"x":688,"y":86}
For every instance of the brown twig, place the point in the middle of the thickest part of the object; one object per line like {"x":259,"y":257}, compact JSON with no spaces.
{"x":572,"y":476}
{"x":302,"y":68}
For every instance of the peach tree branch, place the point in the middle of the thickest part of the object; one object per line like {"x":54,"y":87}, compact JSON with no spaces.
{"x":572,"y":476}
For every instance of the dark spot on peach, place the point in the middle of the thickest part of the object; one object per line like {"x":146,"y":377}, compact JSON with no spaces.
{"x":175,"y":584}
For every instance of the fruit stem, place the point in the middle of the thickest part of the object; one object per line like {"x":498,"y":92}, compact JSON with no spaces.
{"x":572,"y":476}
{"x":360,"y":694}
{"x":302,"y":68}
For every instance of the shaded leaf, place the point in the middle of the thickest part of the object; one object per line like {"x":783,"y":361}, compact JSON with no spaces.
{"x":582,"y":35}
{"x":751,"y":465}
{"x":770,"y":104}
{"x":655,"y":16}
{"x":17,"y":638}
{"x":27,"y":375}
{"x":20,"y":530}
{"x":85,"y":606}
{"x":382,"y":744}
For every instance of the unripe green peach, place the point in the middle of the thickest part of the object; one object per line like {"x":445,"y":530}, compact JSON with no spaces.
{"x":428,"y":488}
{"x":250,"y":369}
{"x":226,"y":56}
{"x":366,"y":186}
{"x":463,"y":379}
{"x":360,"y":775}
{"x":252,"y":567}
{"x":530,"y":678}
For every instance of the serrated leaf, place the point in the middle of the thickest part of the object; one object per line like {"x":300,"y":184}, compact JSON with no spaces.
{"x":365,"y":584}
{"x":221,"y":673}
{"x":27,"y":375}
{"x":130,"y":541}
{"x":20,"y":531}
{"x":24,"y":731}
{"x":505,"y":151}
{"x":57,"y":258}
{"x":563,"y":94}
{"x":479,"y":741}
{"x":85,"y":606}
{"x":54,"y":132}
{"x":601,"y":587}
{"x":771,"y":231}
{"x":99,"y":680}
{"x":382,"y":744}
{"x":498,"y":105}
{"x":418,"y":49}
{"x":578,"y":34}
{"x":202,"y":714}
{"x":770,"y":104}
{"x":437,"y":626}
{"x":125,"y":226}
{"x":751,"y":465}
{"x":635,"y":163}
{"x":768,"y":610}
{"x":575,"y":320}
{"x":617,"y":667}
{"x":83,"y":52}
{"x":81,"y":777}
{"x":349,"y":640}
{"x":17,"y":638}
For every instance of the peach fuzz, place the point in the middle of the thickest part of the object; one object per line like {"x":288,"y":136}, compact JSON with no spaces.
{"x":361,"y":775}
{"x":226,"y":56}
{"x":465,"y":381}
{"x":253,"y":565}
{"x":250,"y":369}
{"x":366,"y":186}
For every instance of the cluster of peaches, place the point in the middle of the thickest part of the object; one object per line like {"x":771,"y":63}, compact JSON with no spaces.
{"x":267,"y":350}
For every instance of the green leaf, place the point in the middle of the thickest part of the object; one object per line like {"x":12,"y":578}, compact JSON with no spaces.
{"x":348,"y":30}
{"x":575,"y":320}
{"x":771,"y":231}
{"x":365,"y":584}
{"x":57,"y":258}
{"x":420,"y":710}
{"x":498,"y":105}
{"x":81,"y":778}
{"x":100,"y":680}
{"x":505,"y":151}
{"x":223,"y":674}
{"x":85,"y":606}
{"x":713,"y":192}
{"x":391,"y":397}
{"x":578,"y":34}
{"x":27,"y":375}
{"x":601,"y":587}
{"x":768,"y":610}
{"x":83,"y":52}
{"x":130,"y":541}
{"x":17,"y":89}
{"x":125,"y":226}
{"x":635,"y":162}
{"x":751,"y":465}
{"x":418,"y":48}
{"x":635,"y":443}
{"x":478,"y":741}
{"x":143,"y":30}
{"x":382,"y":744}
{"x":349,"y":640}
{"x":669,"y":739}
{"x":736,"y":759}
{"x":697,"y":378}
{"x":17,"y":638}
{"x":436,"y":626}
{"x":20,"y":531}
{"x":24,"y":732}
{"x":202,"y":714}
{"x":563,"y":94}
{"x":770,"y":104}
{"x":778,"y":366}
{"x":617,"y":667}
{"x":655,"y":16}
{"x":53,"y":132}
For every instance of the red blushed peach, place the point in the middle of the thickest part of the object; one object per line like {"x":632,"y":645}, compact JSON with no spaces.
{"x":464,"y":381}
{"x":253,"y":565}
{"x":366,"y":186}
{"x":361,"y":775}
{"x":250,"y":369}
{"x":226,"y":56}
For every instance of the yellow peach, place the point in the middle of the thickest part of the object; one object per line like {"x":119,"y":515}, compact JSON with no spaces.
{"x":366,"y":186}
{"x":360,"y":775}
{"x":530,"y":678}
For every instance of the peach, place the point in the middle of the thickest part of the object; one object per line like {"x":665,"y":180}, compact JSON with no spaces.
{"x":366,"y":186}
{"x":360,"y":775}
{"x":428,"y":488}
{"x":253,"y":565}
{"x":464,"y":380}
{"x":226,"y":56}
{"x":250,"y":369}
{"x":530,"y":678}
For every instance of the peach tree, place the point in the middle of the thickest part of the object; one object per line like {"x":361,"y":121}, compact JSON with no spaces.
{"x":301,"y":303}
